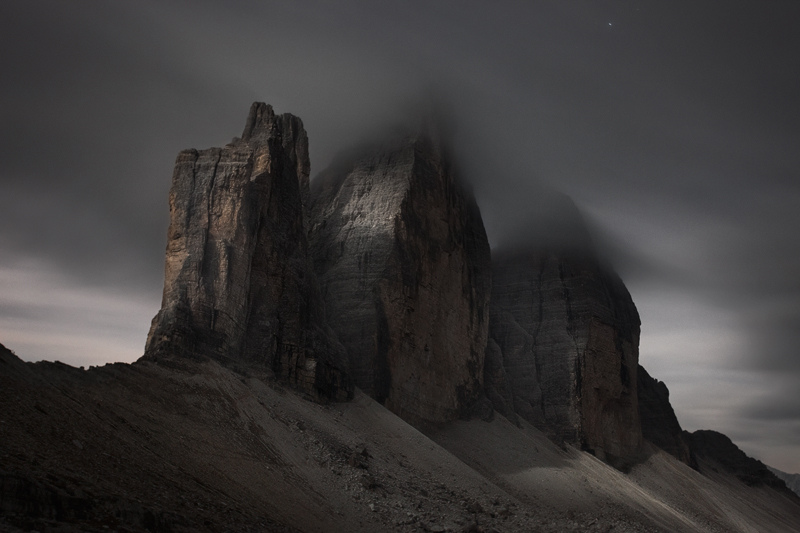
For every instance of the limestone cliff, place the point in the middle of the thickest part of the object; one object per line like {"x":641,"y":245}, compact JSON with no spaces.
{"x":660,"y":426}
{"x":567,"y":337}
{"x":239,"y":286}
{"x":404,"y":265}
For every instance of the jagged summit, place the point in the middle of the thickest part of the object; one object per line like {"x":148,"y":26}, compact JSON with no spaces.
{"x":238,"y":285}
{"x":260,"y":125}
{"x":403,"y":261}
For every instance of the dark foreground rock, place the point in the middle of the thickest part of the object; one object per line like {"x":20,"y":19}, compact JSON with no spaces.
{"x":194,"y":446}
{"x":239,"y":286}
{"x":403,"y":262}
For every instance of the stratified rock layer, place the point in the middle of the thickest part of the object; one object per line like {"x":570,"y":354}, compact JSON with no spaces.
{"x":239,"y":286}
{"x":659,"y":423}
{"x":568,"y":339}
{"x":404,"y":265}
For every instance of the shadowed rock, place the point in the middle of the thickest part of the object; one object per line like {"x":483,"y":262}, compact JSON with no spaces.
{"x":659,"y":423}
{"x":568,"y":337}
{"x":715,"y":450}
{"x":497,"y":383}
{"x":239,"y":286}
{"x":403,"y":261}
{"x":792,"y":480}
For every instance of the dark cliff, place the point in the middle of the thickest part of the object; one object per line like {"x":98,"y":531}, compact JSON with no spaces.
{"x":564,"y":348}
{"x":660,"y":426}
{"x":239,"y":285}
{"x":403,"y":261}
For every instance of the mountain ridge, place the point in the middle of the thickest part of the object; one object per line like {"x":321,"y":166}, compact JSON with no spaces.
{"x":499,"y":393}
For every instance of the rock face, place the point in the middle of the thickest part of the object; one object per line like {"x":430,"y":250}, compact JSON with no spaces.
{"x":565,"y":333}
{"x":659,"y":423}
{"x":239,"y":286}
{"x":714,"y":449}
{"x":404,"y":265}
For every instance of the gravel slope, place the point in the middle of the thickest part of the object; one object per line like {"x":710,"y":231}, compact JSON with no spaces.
{"x":197,"y":447}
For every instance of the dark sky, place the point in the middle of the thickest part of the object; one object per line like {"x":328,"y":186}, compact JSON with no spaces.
{"x":675,"y":127}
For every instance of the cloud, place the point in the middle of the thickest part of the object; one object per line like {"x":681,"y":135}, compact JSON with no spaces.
{"x":44,"y":316}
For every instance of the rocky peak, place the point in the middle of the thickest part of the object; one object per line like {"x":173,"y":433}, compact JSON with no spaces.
{"x":239,"y":286}
{"x":564,"y":348}
{"x":261,"y":124}
{"x":268,"y":133}
{"x":403,"y":261}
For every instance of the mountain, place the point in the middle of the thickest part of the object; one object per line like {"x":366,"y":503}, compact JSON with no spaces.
{"x":404,"y":265}
{"x":792,"y":480}
{"x":239,"y":285}
{"x":660,"y":426}
{"x":567,"y":335}
{"x":351,"y":356}
{"x":715,"y":451}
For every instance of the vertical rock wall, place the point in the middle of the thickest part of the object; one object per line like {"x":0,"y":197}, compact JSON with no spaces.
{"x":660,"y":426}
{"x":404,"y":265}
{"x":404,"y":272}
{"x":239,"y":285}
{"x":568,"y":337}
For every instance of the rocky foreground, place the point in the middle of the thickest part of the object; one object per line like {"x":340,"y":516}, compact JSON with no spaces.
{"x":199,"y":447}
{"x":352,"y":357}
